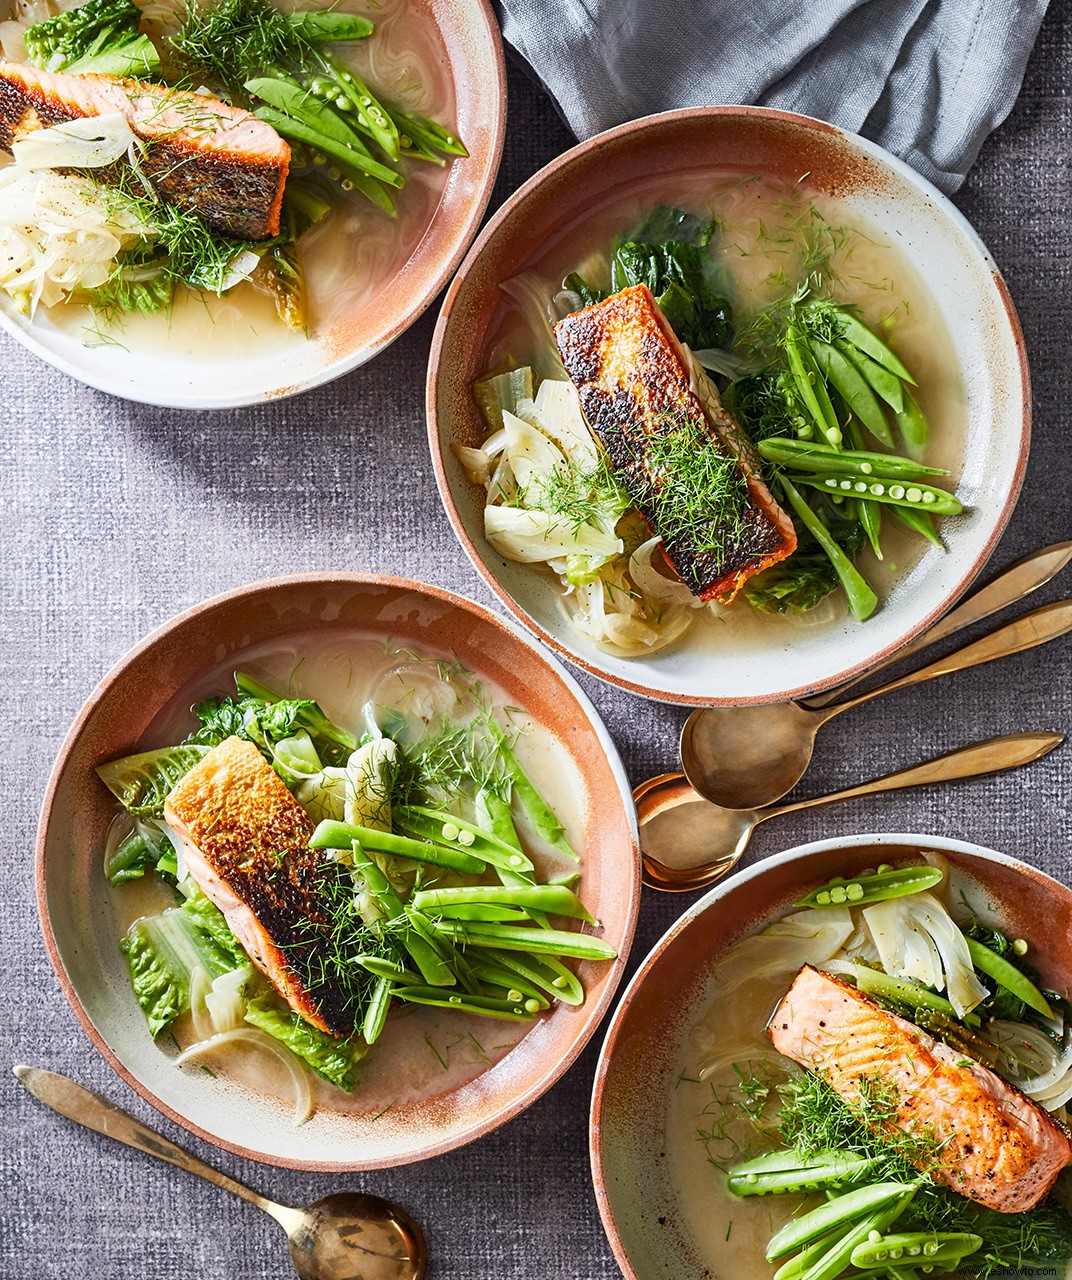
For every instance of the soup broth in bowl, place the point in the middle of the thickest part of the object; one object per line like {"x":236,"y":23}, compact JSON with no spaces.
{"x":755,"y":251}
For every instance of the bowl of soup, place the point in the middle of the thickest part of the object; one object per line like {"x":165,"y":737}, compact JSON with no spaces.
{"x":250,"y":242}
{"x":367,"y":1005}
{"x":726,"y":405}
{"x":728,"y":1078}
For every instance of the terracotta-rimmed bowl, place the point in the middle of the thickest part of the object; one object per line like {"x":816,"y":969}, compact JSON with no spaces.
{"x":650,"y":1232}
{"x":180,"y":369}
{"x":77,"y":907}
{"x":872,"y":185}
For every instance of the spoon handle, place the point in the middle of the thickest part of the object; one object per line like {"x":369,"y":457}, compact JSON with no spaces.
{"x":1026,"y":632}
{"x":92,"y":1111}
{"x":1011,"y":585}
{"x":994,"y":755}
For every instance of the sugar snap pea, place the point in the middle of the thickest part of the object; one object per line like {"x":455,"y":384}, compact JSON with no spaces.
{"x":804,"y":455}
{"x":852,"y":387}
{"x":879,"y":887}
{"x":330,"y":834}
{"x":900,"y":493}
{"x":393,"y":973}
{"x":376,"y":1011}
{"x":918,"y":521}
{"x":493,"y":975}
{"x":915,"y":1248}
{"x":1008,"y":976}
{"x":487,"y":912}
{"x":912,"y":423}
{"x":545,"y":972}
{"x":507,"y":937}
{"x":869,"y":514}
{"x":834,"y":1262}
{"x":811,"y":388}
{"x":321,"y":26}
{"x":352,"y":94}
{"x":796,"y":1266}
{"x":779,"y":1172}
{"x":552,"y":899}
{"x":854,"y":331}
{"x":884,"y":383}
{"x":862,"y":600}
{"x":854,"y":1204}
{"x":486,"y":1006}
{"x":445,"y":828}
{"x":873,"y":982}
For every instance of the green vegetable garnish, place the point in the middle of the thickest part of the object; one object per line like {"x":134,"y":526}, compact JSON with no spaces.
{"x":100,"y":37}
{"x":878,"y":887}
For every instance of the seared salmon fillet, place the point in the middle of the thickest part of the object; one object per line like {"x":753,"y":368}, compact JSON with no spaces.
{"x":997,"y":1146}
{"x":636,"y":382}
{"x":201,"y":154}
{"x":246,"y":843}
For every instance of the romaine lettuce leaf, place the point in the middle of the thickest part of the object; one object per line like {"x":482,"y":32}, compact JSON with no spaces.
{"x":141,"y":782}
{"x":333,"y":1060}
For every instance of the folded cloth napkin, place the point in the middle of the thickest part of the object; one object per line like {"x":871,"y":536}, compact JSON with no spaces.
{"x":927,"y":79}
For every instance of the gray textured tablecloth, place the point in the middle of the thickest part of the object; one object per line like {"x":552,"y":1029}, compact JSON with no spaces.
{"x":115,"y":517}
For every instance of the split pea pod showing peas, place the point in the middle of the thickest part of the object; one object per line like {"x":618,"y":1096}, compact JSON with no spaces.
{"x":899,"y":493}
{"x":847,"y":1208}
{"x":781,"y":1172}
{"x":916,"y":1248}
{"x":888,"y":882}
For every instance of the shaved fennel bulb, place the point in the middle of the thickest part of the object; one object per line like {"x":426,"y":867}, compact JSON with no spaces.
{"x":917,"y":938}
{"x":299,"y":1076}
{"x":552,"y":499}
{"x":58,"y":236}
{"x":88,"y":142}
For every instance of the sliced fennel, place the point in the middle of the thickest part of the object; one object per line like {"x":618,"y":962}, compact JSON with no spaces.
{"x":552,"y":499}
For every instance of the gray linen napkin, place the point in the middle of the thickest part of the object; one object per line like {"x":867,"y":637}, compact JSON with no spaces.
{"x":927,"y":79}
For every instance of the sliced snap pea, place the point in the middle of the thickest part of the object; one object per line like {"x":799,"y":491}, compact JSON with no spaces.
{"x":862,"y":600}
{"x":486,"y":1006}
{"x":1008,"y":976}
{"x":805,"y":455}
{"x":834,"y":1262}
{"x":379,"y":886}
{"x":810,"y":1254}
{"x":853,"y":388}
{"x":496,"y":975}
{"x":912,"y":423}
{"x":445,"y":828}
{"x":545,"y":972}
{"x":854,"y":1204}
{"x":869,"y":514}
{"x":424,"y":139}
{"x":873,"y":982}
{"x":554,"y":900}
{"x":479,"y":911}
{"x":883,"y":885}
{"x":884,"y":383}
{"x":780,"y":1172}
{"x":918,"y":521}
{"x":376,"y":1011}
{"x":915,"y":1248}
{"x":543,"y":818}
{"x":369,"y":111}
{"x":898,"y":493}
{"x":854,"y":331}
{"x":507,"y":937}
{"x":341,"y":835}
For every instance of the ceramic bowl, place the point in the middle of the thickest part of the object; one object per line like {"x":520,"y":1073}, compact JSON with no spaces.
{"x":653,"y":1235}
{"x":184,"y":373}
{"x":771,"y":663}
{"x":392,"y":1123}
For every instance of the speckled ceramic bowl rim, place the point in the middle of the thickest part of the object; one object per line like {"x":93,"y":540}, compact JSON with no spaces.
{"x":697,"y":909}
{"x":591,"y":147}
{"x":594,"y":1016}
{"x":347,"y":364}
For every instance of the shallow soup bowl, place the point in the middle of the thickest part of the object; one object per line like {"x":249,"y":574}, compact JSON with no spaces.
{"x":655,"y":1188}
{"x":368,"y":276}
{"x":978,"y":383}
{"x":410,"y":1106}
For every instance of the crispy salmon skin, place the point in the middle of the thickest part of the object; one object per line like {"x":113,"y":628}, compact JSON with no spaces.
{"x":246,"y":843}
{"x":201,"y":154}
{"x":996,"y":1146}
{"x":636,"y":384}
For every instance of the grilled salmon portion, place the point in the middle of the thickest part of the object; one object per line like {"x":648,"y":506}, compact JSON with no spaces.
{"x":637,"y":384}
{"x":996,"y":1146}
{"x":201,"y":154}
{"x":246,"y":843}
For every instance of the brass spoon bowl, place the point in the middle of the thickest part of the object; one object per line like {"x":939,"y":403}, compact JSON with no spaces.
{"x":747,"y":757}
{"x":347,"y":1236}
{"x":687,"y":842}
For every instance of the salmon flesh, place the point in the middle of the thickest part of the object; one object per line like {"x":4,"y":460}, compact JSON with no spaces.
{"x":637,"y":384}
{"x":246,"y":844}
{"x":996,"y":1146}
{"x":224,"y":164}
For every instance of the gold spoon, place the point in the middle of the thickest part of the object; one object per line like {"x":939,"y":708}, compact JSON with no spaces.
{"x":748,"y":757}
{"x":347,"y":1236}
{"x":687,"y":842}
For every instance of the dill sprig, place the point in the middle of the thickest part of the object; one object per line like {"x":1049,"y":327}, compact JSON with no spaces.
{"x":584,"y":495}
{"x":231,"y":40}
{"x":694,"y":493}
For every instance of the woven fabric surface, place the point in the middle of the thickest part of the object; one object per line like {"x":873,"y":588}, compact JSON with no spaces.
{"x":116,"y":517}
